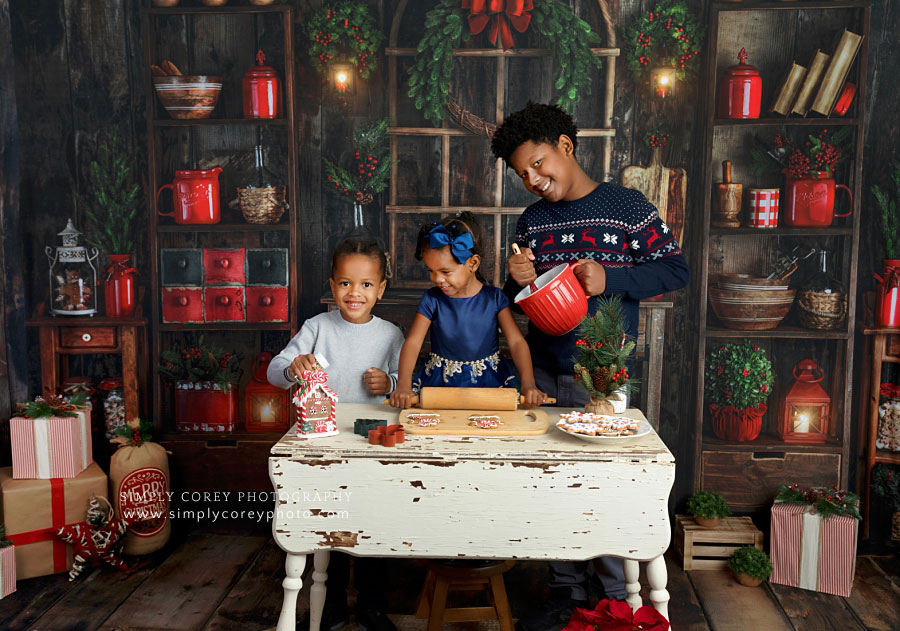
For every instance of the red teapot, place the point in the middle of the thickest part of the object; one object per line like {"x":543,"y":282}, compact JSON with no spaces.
{"x":195,"y":196}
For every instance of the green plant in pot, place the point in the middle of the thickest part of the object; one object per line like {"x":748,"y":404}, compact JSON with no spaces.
{"x":887,"y":307}
{"x":738,"y":383}
{"x":750,"y":566}
{"x":886,"y":485}
{"x":601,"y":356}
{"x":111,"y":201}
{"x":708,"y":508}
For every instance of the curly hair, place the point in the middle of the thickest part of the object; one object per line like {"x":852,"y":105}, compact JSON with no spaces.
{"x":537,"y":122}
{"x":365,"y":246}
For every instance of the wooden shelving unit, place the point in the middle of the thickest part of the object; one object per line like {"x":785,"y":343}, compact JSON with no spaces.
{"x":883,"y":347}
{"x":748,"y":473}
{"x":194,"y":34}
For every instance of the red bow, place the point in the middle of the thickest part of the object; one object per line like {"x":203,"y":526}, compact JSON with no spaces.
{"x":503,"y":13}
{"x":313,"y":376}
{"x":611,"y":615}
{"x":890,"y":391}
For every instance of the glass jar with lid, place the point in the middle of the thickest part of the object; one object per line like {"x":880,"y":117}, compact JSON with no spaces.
{"x":113,"y":404}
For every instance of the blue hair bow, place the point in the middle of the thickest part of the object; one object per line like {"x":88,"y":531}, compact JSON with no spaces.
{"x":460,"y":247}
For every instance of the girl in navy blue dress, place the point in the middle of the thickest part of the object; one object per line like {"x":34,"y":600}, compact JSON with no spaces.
{"x":462,"y":313}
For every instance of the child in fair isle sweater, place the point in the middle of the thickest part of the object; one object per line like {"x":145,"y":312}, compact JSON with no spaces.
{"x":625,"y":249}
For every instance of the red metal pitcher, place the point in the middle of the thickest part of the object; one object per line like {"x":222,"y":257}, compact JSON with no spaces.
{"x":195,"y":196}
{"x":118,"y":288}
{"x":887,"y":312}
{"x":809,"y":201}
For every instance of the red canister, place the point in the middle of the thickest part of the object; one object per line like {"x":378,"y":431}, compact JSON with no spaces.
{"x":262,"y":89}
{"x":740,"y":90}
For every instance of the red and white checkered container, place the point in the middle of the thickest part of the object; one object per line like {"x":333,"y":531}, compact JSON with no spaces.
{"x":763,"y":208}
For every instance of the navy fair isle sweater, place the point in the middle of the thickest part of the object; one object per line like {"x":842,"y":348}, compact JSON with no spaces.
{"x":618,"y":228}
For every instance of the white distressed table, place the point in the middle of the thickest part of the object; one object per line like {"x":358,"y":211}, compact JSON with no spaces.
{"x":536,"y":497}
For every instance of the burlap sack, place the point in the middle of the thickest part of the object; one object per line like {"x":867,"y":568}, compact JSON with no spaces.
{"x":139,"y":487}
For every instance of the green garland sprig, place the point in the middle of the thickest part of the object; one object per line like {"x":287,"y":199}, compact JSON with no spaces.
{"x":344,"y":32}
{"x":602,"y":351}
{"x":829,"y":503}
{"x":670,"y":35}
{"x":373,"y":165}
{"x":569,"y":37}
{"x":889,"y":209}
{"x":4,"y":542}
{"x":52,"y":406}
{"x":136,"y":435}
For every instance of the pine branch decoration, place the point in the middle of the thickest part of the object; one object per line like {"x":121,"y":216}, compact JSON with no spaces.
{"x":373,"y":165}
{"x":112,"y":199}
{"x":602,"y":352}
{"x":889,"y":208}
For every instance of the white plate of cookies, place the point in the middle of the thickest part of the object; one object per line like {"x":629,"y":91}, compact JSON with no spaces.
{"x":601,"y":427}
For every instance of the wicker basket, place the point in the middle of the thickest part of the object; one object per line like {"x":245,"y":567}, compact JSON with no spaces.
{"x":820,"y":310}
{"x":262,"y":204}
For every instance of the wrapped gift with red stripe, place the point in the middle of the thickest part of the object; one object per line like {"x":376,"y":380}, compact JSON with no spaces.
{"x":33,"y":510}
{"x":813,"y":546}
{"x":51,"y":439}
{"x":7,"y":566}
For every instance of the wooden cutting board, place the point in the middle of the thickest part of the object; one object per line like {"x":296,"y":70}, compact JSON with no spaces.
{"x":664,"y":187}
{"x":522,"y":422}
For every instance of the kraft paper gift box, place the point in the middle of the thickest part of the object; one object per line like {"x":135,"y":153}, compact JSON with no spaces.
{"x":51,"y":447}
{"x":7,"y":570}
{"x":33,"y":510}
{"x":813,"y":552}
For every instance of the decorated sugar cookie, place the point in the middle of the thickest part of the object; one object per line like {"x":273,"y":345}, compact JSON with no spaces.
{"x":485,"y":421}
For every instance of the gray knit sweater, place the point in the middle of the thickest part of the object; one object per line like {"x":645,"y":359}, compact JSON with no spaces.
{"x":350,"y":349}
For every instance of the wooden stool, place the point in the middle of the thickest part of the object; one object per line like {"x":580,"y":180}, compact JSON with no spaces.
{"x":442,"y":579}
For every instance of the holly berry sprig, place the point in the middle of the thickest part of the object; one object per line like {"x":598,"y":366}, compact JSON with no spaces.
{"x":372,"y":165}
{"x":827,"y":502}
{"x":656,"y":138}
{"x":344,"y":32}
{"x":670,"y":35}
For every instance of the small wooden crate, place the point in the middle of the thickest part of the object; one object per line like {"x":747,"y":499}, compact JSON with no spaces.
{"x":709,"y":548}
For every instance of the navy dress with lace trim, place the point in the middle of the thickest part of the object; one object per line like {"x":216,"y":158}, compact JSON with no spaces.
{"x":465,"y":342}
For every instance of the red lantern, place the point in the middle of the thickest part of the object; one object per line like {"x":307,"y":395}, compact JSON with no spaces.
{"x":266,"y":405}
{"x":807,"y":407}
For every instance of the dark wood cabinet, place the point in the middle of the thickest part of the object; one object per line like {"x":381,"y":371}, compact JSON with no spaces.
{"x":774,"y":34}
{"x":235,"y":283}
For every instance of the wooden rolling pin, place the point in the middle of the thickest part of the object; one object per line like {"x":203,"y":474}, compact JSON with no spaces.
{"x":469,"y":399}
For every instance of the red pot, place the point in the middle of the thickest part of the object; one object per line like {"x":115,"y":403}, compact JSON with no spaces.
{"x":732,"y":424}
{"x":262,"y":90}
{"x":740,"y":90}
{"x":887,"y":314}
{"x":195,"y":196}
{"x":118,"y":287}
{"x":809,"y":201}
{"x":204,"y":407}
{"x":558,"y":303}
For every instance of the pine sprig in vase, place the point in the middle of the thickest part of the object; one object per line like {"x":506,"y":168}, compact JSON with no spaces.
{"x":601,"y":355}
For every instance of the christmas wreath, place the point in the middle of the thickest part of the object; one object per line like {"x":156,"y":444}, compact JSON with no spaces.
{"x":667,"y":36}
{"x":344,"y":32}
{"x":373,"y":165}
{"x":452,"y":22}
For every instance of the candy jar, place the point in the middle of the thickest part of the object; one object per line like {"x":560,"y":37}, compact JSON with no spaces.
{"x":113,"y":405}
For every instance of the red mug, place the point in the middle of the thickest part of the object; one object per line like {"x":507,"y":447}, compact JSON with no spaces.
{"x":809,"y":201}
{"x":195,"y":196}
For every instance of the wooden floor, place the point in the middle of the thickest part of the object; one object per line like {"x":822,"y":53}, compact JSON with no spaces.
{"x":215,"y":581}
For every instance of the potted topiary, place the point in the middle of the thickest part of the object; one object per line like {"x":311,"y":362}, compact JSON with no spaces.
{"x":738,"y":383}
{"x":886,"y":484}
{"x":887,"y":308}
{"x":112,"y":202}
{"x":750,"y":566}
{"x":708,"y":508}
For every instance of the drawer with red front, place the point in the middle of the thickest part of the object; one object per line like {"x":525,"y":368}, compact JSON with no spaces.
{"x":224,"y":267}
{"x":182,"y":304}
{"x":224,"y":304}
{"x":267,"y":304}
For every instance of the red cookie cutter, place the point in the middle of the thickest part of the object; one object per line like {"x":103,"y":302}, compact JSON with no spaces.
{"x":387,"y":436}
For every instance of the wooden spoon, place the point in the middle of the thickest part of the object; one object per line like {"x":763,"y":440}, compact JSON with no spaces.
{"x":532,"y":287}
